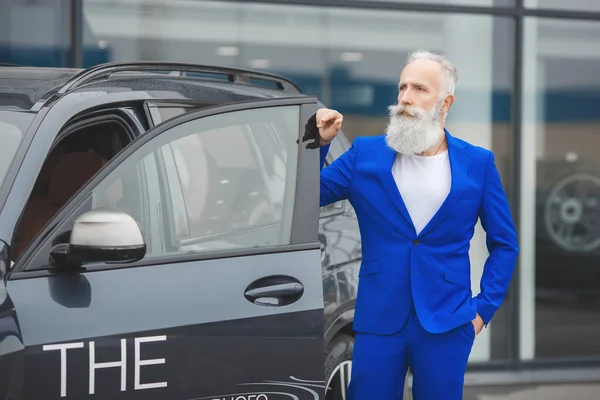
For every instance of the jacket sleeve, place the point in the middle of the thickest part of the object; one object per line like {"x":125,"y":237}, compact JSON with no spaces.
{"x":336,"y":178}
{"x":502,"y":245}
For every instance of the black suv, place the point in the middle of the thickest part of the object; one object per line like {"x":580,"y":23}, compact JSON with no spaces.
{"x":161,"y":238}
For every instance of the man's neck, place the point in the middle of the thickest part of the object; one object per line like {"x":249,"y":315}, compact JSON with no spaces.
{"x":437,"y":148}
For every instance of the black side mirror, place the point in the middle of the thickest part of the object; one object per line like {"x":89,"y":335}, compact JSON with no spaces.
{"x":100,"y":236}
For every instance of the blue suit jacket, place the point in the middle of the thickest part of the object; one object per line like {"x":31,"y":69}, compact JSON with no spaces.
{"x":431,"y":269}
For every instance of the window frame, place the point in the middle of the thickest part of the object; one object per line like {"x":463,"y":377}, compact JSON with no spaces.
{"x":302,"y":236}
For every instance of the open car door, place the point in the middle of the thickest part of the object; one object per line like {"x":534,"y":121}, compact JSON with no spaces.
{"x":189,"y":267}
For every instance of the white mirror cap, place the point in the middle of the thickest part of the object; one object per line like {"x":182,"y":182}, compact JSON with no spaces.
{"x":106,"y":228}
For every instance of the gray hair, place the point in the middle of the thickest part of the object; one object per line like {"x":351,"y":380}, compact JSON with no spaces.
{"x":449,"y":70}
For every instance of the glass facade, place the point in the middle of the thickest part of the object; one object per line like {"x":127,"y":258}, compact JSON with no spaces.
{"x":561,"y":187}
{"x":47,"y":45}
{"x":527,"y":94}
{"x":479,"y":3}
{"x":579,"y":5}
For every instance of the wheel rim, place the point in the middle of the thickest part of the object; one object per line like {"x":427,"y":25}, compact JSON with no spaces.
{"x":337,"y":385}
{"x":572,"y":213}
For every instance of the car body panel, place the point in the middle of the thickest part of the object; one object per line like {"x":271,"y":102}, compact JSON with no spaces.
{"x":209,"y":335}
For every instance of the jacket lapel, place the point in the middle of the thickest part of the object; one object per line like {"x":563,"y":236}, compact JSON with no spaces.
{"x":458,"y":173}
{"x":385,"y":161}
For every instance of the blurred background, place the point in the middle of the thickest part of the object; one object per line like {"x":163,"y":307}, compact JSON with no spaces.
{"x":529,"y":89}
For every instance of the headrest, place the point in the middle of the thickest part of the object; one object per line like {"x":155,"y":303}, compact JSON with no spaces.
{"x":72,"y":171}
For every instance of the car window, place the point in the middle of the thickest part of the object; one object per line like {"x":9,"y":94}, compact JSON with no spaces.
{"x":223,"y":182}
{"x":12,"y":129}
{"x":166,"y":113}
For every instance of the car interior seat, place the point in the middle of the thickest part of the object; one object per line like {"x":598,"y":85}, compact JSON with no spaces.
{"x":63,"y":175}
{"x":71,"y":172}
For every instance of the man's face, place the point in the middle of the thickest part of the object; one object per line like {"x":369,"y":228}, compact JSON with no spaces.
{"x":416,"y":121}
{"x":419,"y":84}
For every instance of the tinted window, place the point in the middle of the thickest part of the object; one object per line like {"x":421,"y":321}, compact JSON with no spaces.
{"x":222,"y":182}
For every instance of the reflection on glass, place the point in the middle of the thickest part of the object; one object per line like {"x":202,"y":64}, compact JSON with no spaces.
{"x":227,"y":181}
{"x":13,"y":126}
{"x":221,"y":182}
{"x":561,"y":115}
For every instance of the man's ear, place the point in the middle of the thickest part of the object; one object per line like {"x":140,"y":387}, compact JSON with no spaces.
{"x":447,"y":103}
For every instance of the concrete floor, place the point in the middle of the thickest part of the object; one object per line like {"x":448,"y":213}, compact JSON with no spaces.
{"x":580,"y":391}
{"x":571,"y":391}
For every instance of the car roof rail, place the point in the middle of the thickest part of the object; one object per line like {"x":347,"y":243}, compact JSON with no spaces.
{"x":236,"y":75}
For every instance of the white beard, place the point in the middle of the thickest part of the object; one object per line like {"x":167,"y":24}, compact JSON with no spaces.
{"x":413,"y":135}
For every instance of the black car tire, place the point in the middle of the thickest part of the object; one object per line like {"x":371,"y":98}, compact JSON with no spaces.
{"x":553,"y":179}
{"x":338,"y":365}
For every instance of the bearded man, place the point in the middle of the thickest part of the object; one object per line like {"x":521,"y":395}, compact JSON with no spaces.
{"x":418,"y":193}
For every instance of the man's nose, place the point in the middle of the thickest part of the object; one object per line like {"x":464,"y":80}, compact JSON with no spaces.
{"x":404,"y":97}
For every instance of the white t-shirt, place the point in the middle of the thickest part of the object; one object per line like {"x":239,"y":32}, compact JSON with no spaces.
{"x":424,"y":183}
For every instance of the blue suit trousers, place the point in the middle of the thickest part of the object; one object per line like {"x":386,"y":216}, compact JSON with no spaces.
{"x":438,"y":362}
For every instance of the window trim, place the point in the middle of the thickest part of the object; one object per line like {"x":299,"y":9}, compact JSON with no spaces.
{"x":86,"y":119}
{"x":174,"y":258}
{"x":306,"y":229}
{"x":84,"y":194}
{"x":166,"y":194}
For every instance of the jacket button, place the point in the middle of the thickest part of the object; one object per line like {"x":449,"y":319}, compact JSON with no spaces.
{"x":415,"y":242}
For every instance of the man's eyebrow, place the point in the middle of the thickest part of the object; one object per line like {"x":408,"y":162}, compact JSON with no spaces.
{"x":416,"y":84}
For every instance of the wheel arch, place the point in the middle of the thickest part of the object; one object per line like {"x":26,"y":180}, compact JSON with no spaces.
{"x":342,"y":324}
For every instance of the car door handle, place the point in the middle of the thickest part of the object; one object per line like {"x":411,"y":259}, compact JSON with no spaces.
{"x":285,"y":289}
{"x":274,"y":294}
